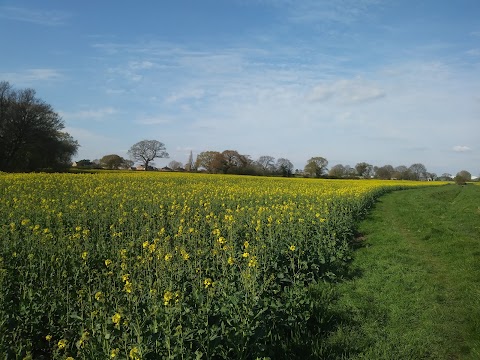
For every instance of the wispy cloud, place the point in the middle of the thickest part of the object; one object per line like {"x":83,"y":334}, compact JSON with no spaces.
{"x":155,"y":120}
{"x":461,"y":148}
{"x":346,"y":91}
{"x":187,"y":94}
{"x":34,"y":16}
{"x":93,"y":114}
{"x":31,"y":75}
{"x":344,"y":11}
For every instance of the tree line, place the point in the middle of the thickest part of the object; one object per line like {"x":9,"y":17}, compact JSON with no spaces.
{"x":32,"y":139}
{"x":232,"y":162}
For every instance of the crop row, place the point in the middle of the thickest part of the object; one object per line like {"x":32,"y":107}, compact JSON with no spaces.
{"x":148,"y":266}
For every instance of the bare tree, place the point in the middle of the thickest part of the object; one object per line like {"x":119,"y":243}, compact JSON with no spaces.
{"x":175,"y":165}
{"x":284,"y":167}
{"x":147,"y":150}
{"x":266,"y":163}
{"x":419,"y":171}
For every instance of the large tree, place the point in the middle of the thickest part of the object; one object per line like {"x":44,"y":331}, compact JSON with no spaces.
{"x":419,"y":171}
{"x":114,"y":162}
{"x":230,"y":162}
{"x":316,"y":166}
{"x":205,"y":160}
{"x":147,"y":150}
{"x":384,"y":172}
{"x":337,"y":171}
{"x":284,"y":167}
{"x":266,"y":163}
{"x":364,"y":170}
{"x":465,"y":175}
{"x":31,"y":136}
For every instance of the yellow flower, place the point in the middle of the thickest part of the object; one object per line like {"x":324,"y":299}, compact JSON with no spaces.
{"x":185,"y":255}
{"x":128,"y":287}
{"x":245,"y":254}
{"x":253,"y":262}
{"x":134,"y":353}
{"x":25,"y":222}
{"x":246,"y":244}
{"x":231,"y":261}
{"x":167,"y":297}
{"x":207,"y":282}
{"x":69,"y":358}
{"x":84,"y":255}
{"x":99,"y":296}
{"x":116,"y":319}
{"x":292,"y":247}
{"x":108,"y":262}
{"x":125,"y":277}
{"x":48,"y":337}
{"x":168,"y":257}
{"x":114,"y":353}
{"x":151,"y":248}
{"x":78,"y":228}
{"x":62,"y":344}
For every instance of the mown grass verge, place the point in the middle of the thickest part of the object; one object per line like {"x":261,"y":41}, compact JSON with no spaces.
{"x":415,"y":286}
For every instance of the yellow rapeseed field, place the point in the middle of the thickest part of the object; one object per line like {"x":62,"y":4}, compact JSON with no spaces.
{"x":168,"y":265}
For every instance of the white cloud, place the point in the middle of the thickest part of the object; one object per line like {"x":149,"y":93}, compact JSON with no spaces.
{"x":346,"y":91}
{"x":94,"y":114}
{"x":35,"y":16}
{"x":155,"y":120}
{"x":141,"y":65}
{"x":186,"y":95}
{"x":30,"y":75}
{"x":343,"y":12}
{"x":461,"y":148}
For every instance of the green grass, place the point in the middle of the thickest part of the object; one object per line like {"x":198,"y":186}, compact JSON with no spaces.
{"x":414,"y":292}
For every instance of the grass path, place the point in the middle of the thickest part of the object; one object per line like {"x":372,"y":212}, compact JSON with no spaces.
{"x":415,"y":288}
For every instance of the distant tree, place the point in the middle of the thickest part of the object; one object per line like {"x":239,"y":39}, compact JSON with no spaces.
{"x":31,"y":136}
{"x":419,"y":171}
{"x":115,"y":162}
{"x":337,"y":171}
{"x":147,"y":150}
{"x":230,"y":162}
{"x":205,"y":160}
{"x":384,"y":172}
{"x":431,"y":176}
{"x":316,"y":166}
{"x":465,"y":175}
{"x":446,"y":177}
{"x":284,"y":167}
{"x":85,"y":163}
{"x":190,"y":165}
{"x":402,"y":173}
{"x":364,"y":170}
{"x":266,"y":163}
{"x":175,"y":165}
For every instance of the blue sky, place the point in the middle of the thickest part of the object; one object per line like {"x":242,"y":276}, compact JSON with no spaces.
{"x":387,"y":82}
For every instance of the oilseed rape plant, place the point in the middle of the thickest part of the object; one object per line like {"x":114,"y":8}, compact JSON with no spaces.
{"x":167,"y":265}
